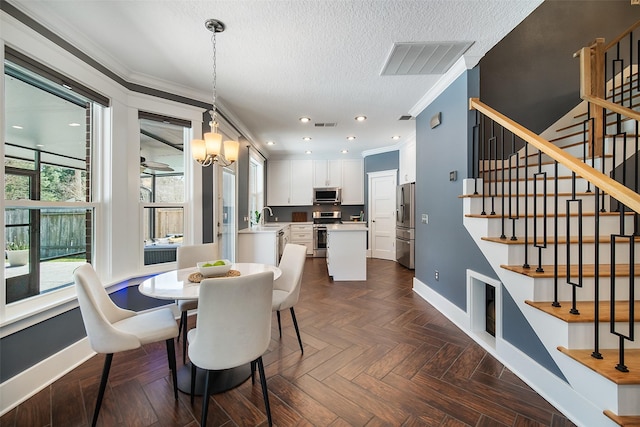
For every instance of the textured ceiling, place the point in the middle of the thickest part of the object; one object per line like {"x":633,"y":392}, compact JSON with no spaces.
{"x":281,"y":60}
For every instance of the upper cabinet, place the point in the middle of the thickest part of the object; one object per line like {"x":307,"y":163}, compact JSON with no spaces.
{"x":352,"y":182}
{"x":289,"y":183}
{"x":327,"y":173}
{"x":408,"y":161}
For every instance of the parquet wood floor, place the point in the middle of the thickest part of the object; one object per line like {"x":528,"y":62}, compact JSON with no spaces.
{"x":376,"y":354}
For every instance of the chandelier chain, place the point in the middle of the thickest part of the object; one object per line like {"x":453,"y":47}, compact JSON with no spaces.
{"x":214,"y":123}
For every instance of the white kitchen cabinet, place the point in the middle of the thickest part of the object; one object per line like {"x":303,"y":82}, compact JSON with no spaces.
{"x":302,"y":234}
{"x":327,"y":173}
{"x":408,"y":161}
{"x":289,"y":183}
{"x":353,"y":182}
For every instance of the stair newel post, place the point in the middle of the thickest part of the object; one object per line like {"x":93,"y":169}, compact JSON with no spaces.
{"x":555,"y":302}
{"x":502,"y":195}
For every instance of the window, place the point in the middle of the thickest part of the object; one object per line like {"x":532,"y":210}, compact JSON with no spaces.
{"x":256,"y":182}
{"x":48,"y":214}
{"x":162,"y":186}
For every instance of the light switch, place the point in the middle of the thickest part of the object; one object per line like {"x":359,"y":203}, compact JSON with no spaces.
{"x":425,"y":219}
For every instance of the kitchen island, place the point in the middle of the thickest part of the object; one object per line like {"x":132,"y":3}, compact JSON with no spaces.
{"x":347,"y":251}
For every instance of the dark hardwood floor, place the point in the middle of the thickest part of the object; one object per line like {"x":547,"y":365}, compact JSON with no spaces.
{"x":375,"y":354}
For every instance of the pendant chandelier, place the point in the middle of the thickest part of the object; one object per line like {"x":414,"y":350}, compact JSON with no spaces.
{"x":211,"y":149}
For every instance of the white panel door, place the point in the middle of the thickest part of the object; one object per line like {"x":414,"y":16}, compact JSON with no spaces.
{"x":382,"y":214}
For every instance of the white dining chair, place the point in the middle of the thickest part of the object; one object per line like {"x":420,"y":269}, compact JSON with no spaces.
{"x":188,"y":256}
{"x":111,"y":329}
{"x":286,"y":288}
{"x":233,"y":329}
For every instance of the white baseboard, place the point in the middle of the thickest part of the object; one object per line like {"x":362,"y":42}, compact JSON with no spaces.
{"x":553,"y":389}
{"x":29,"y":382}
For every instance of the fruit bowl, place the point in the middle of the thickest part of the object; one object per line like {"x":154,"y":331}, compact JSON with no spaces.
{"x":208,"y":269}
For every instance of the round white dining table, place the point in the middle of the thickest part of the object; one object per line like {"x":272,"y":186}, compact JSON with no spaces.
{"x":175,"y":285}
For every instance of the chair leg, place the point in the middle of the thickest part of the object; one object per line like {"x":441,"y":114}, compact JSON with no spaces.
{"x":253,"y":372}
{"x":171,"y":357}
{"x":205,"y":398}
{"x":193,"y":381}
{"x":180,"y":326}
{"x":183,"y":327}
{"x":295,"y":324}
{"x":265,"y":393}
{"x":279,"y":325}
{"x":103,"y":386}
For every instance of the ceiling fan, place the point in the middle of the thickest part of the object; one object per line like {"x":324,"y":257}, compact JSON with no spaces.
{"x":154,"y":166}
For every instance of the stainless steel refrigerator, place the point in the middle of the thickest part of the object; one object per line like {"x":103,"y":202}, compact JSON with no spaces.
{"x":405,"y":224}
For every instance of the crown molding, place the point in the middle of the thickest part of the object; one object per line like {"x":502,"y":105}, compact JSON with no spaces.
{"x":463,"y":64}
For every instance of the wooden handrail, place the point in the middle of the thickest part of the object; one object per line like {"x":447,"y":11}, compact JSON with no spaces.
{"x":621,"y":193}
{"x":621,"y":36}
{"x":616,"y":108}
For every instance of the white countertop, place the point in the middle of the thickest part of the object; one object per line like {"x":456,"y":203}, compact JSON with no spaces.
{"x":351,"y":226}
{"x":267,"y":228}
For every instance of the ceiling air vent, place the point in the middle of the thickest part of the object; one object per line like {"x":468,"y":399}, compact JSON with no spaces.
{"x":406,"y":118}
{"x":325,"y":125}
{"x":423,"y":58}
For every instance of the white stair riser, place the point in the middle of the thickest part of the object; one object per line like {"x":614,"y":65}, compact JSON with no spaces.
{"x":512,"y":205}
{"x":565,"y":185}
{"x":516,"y":253}
{"x":580,"y":336}
{"x":495,"y":171}
{"x":541,"y":289}
{"x":608,"y":225}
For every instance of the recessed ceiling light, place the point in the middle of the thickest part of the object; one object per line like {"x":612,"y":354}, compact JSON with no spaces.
{"x":344,"y":151}
{"x":306,"y":138}
{"x":307,"y":152}
{"x":361,"y":118}
{"x":271,"y":143}
{"x":395,"y":137}
{"x":40,"y":145}
{"x":17,"y":127}
{"x":74,"y":125}
{"x":305,"y":119}
{"x":351,"y":138}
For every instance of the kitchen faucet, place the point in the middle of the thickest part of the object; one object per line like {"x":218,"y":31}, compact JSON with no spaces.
{"x":262,"y":216}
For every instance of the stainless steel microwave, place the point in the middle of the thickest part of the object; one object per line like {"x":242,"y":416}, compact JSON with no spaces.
{"x":326,"y":195}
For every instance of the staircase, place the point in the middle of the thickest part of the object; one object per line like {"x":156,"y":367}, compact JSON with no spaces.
{"x":563,"y":236}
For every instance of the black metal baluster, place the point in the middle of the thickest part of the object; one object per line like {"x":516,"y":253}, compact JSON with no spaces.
{"x":596,"y":279}
{"x":536,"y":243}
{"x":526,"y":206}
{"x":555,"y":302}
{"x":578,"y":284}
{"x":502,"y":155}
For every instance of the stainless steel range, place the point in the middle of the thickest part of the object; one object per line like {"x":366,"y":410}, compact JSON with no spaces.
{"x":320,"y":222}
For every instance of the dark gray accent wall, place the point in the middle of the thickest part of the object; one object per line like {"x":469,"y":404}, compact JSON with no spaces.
{"x":531,"y":75}
{"x":444,"y":243}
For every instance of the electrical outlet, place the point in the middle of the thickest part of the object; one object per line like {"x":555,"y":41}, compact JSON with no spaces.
{"x":437,"y":275}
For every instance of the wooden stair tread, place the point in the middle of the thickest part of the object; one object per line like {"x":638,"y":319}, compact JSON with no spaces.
{"x":551,"y":240}
{"x":588,"y":270}
{"x":607,"y":365}
{"x":623,"y":420}
{"x":587,"y":310}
